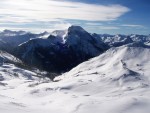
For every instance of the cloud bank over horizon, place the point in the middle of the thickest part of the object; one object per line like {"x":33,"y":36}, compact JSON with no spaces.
{"x":40,"y":15}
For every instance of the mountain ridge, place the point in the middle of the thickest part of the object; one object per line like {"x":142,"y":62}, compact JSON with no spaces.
{"x":63,"y":49}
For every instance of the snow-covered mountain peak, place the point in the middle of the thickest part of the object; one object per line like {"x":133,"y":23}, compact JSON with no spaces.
{"x":61,"y":36}
{"x":123,"y":66}
{"x":76,"y":34}
{"x":63,"y":33}
{"x":59,"y":33}
{"x":58,"y":36}
{"x":74,"y":28}
{"x":12,"y":33}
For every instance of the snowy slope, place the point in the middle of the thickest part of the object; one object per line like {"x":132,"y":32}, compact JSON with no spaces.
{"x":118,"y":80}
{"x":115,"y":82}
{"x":8,"y":58}
{"x":10,"y":68}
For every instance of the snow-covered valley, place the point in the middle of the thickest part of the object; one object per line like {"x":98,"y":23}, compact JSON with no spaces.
{"x":116,"y":81}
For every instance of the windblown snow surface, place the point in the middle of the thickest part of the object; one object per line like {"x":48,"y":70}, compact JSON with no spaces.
{"x":115,"y":82}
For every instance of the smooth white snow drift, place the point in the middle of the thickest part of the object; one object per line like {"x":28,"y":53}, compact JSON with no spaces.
{"x":115,"y":82}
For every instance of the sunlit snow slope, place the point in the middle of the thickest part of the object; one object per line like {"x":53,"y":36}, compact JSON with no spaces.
{"x":115,"y":82}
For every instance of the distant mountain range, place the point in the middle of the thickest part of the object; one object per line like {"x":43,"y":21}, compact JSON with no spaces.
{"x":62,"y":50}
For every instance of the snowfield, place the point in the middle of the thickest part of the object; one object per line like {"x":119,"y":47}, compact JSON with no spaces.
{"x":115,"y":82}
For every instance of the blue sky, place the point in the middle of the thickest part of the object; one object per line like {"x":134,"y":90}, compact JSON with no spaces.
{"x":100,"y":16}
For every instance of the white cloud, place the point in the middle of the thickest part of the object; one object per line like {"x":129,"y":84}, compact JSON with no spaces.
{"x":98,"y":29}
{"x":132,"y":25}
{"x":93,"y":24}
{"x":54,"y":26}
{"x":51,"y":10}
{"x":109,"y":28}
{"x":61,"y":25}
{"x":35,"y":30}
